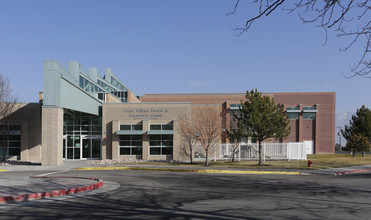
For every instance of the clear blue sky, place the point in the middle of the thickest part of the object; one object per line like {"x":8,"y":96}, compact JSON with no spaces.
{"x":175,"y":47}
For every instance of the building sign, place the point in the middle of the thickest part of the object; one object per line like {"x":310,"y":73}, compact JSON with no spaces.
{"x":146,"y":113}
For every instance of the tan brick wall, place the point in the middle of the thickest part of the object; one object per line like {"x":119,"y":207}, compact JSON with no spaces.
{"x":132,"y":98}
{"x":111,"y":99}
{"x":146,"y":113}
{"x":52,"y":136}
{"x":28,"y":115}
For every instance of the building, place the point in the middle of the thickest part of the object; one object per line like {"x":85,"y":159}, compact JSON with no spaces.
{"x":85,"y":116}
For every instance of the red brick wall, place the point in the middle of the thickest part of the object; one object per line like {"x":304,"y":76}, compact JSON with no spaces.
{"x":321,"y":130}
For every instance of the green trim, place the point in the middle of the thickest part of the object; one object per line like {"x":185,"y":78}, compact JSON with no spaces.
{"x":158,"y":132}
{"x":127,"y":132}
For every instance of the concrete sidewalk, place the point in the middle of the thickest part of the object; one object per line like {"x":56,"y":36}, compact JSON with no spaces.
{"x":67,"y":165}
{"x":30,"y":188}
{"x":341,"y":171}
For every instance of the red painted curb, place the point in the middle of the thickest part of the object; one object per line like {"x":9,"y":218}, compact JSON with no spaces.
{"x":34,"y":196}
{"x":351,"y":171}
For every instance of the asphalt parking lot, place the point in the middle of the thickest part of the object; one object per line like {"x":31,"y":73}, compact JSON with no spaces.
{"x":168,"y":195}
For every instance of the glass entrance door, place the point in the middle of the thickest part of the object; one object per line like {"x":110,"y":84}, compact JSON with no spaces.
{"x":64,"y":146}
{"x":96,"y":148}
{"x":73,"y":150}
{"x":86,"y":148}
{"x":91,"y":146}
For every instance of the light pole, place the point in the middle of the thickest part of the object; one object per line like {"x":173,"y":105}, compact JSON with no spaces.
{"x":339,"y":134}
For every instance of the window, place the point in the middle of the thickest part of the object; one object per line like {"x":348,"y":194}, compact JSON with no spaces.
{"x":292,"y":108}
{"x":102,"y":96}
{"x":309,"y":115}
{"x":131,"y":145}
{"x":125,"y":127}
{"x":309,"y":108}
{"x":155,"y":127}
{"x":166,"y":127}
{"x":82,"y":124}
{"x":161,"y":144}
{"x":235,"y":106}
{"x":136,"y":127}
{"x":292,"y":115}
{"x":10,"y":135}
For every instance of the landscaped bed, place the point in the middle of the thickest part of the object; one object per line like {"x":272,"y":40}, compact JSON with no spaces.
{"x":319,"y":161}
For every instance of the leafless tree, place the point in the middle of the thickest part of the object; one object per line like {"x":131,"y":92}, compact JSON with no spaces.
{"x":7,"y":103}
{"x":208,"y":127}
{"x":348,"y":18}
{"x":187,"y":131}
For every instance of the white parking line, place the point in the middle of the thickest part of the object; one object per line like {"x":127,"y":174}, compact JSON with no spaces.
{"x":46,"y":174}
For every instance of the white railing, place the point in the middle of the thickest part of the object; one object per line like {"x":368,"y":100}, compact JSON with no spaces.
{"x":250,"y":151}
{"x":270,"y":151}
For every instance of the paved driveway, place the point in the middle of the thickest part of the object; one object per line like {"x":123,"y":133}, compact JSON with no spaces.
{"x":169,"y":195}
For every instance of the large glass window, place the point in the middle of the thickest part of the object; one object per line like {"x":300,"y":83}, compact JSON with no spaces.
{"x":131,"y":145}
{"x":82,"y":124}
{"x":10,"y":136}
{"x":161,"y":144}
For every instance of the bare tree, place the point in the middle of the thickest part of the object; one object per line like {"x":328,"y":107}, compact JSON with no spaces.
{"x":348,"y":18}
{"x":187,"y":130}
{"x":208,"y":127}
{"x":7,"y":103}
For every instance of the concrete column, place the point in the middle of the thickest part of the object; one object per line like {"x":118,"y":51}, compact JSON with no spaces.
{"x":73,"y":69}
{"x":145,"y":147}
{"x":93,"y":74}
{"x":115,"y":140}
{"x":52,"y":136}
{"x":108,"y":74}
{"x":24,"y":141}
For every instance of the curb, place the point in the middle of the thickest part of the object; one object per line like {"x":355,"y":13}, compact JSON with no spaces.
{"x":350,"y":171}
{"x":191,"y":171}
{"x":54,"y":193}
{"x":4,"y":170}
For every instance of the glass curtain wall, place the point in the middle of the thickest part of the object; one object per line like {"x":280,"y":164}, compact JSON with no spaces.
{"x":82,"y":136}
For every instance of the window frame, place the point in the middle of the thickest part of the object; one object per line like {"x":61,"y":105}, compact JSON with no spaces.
{"x":131,"y":139}
{"x":163,"y":144}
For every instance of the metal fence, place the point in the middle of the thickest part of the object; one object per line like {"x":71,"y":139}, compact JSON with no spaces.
{"x":250,"y":151}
